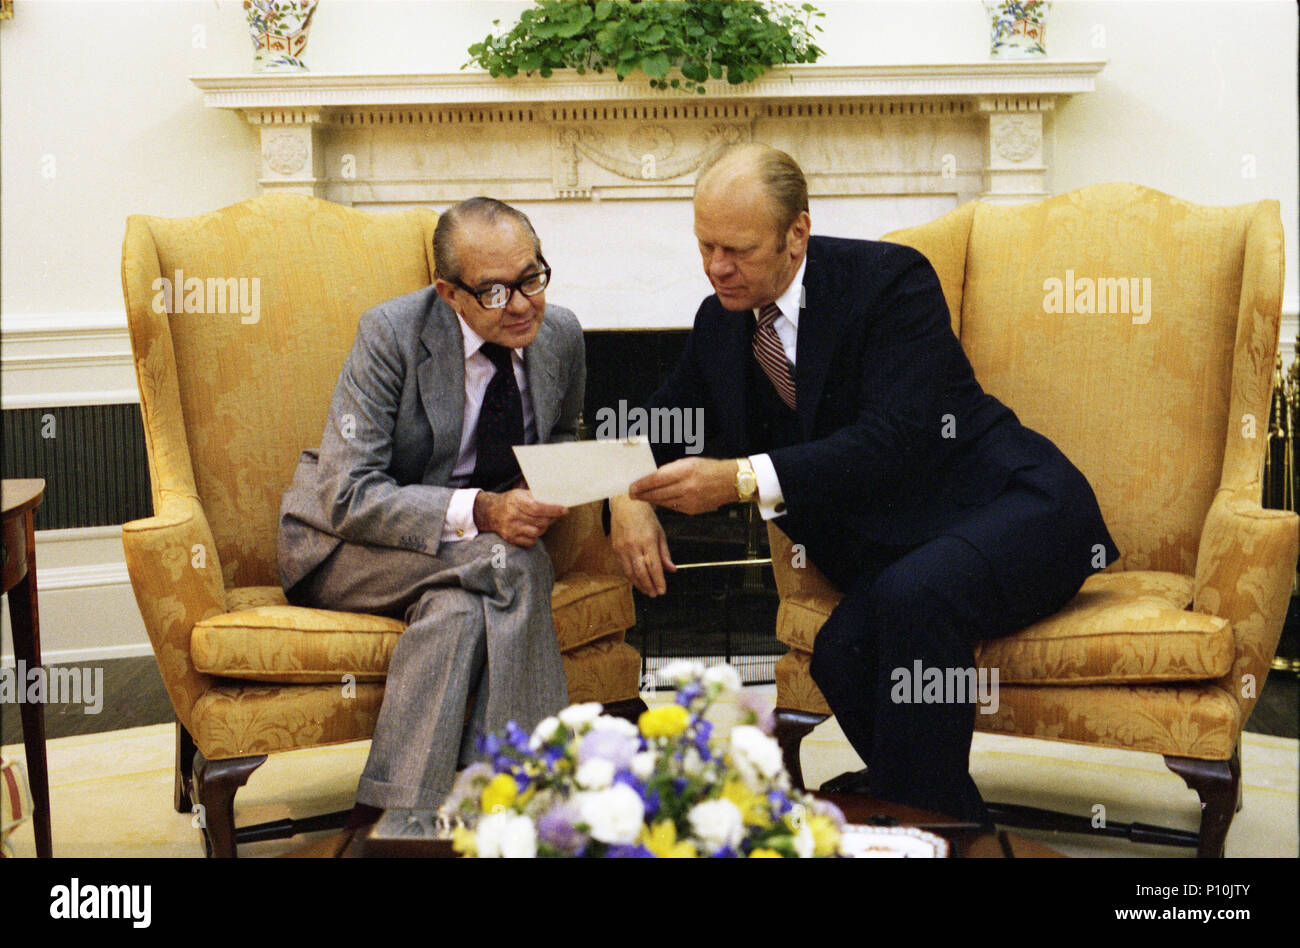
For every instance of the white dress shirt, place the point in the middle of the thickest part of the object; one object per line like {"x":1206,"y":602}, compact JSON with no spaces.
{"x":479,"y":369}
{"x":771,"y":502}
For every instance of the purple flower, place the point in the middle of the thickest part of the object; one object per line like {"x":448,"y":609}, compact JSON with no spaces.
{"x":688,"y":693}
{"x":551,"y":754}
{"x":489,"y":744}
{"x":779,"y":802}
{"x":558,"y":827}
{"x":517,"y":737}
{"x":612,"y":746}
{"x":636,"y":851}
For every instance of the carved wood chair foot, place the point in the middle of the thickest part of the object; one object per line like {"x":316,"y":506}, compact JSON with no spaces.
{"x":215,"y":784}
{"x":791,"y":728}
{"x":1218,"y":784}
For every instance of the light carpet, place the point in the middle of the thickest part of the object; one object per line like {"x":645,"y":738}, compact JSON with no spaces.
{"x":111,"y":793}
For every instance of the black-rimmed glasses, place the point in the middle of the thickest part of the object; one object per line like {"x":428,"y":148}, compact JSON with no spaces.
{"x":498,"y":295}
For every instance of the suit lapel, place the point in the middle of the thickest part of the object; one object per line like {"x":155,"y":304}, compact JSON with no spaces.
{"x":541,"y":364}
{"x":441,"y":381}
{"x":818,"y":332}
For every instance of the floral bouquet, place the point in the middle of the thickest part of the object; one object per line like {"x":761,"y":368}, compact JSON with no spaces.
{"x":584,"y":784}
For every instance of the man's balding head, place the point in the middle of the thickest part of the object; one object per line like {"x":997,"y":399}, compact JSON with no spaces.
{"x":739,"y":167}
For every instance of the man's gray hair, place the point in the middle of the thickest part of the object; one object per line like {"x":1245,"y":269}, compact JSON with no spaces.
{"x":446,"y":261}
{"x":780,"y":175}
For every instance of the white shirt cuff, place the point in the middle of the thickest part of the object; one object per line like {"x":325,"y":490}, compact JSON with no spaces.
{"x":771,"y":502}
{"x":459,"y":522}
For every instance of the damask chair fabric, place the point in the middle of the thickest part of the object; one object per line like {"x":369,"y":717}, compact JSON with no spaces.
{"x":1138,"y":332}
{"x":230,"y":396}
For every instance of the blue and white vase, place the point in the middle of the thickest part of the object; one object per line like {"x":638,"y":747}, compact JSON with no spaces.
{"x":1019,"y":28}
{"x":279,"y":30}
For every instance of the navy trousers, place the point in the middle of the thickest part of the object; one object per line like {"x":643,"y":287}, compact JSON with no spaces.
{"x":932,"y":603}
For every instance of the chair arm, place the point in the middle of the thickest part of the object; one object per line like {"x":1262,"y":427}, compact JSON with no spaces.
{"x":1245,"y":568}
{"x":795,"y":574}
{"x":577,"y":543}
{"x":176,"y":575}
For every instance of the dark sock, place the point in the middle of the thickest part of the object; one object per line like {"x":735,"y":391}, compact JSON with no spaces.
{"x":362,"y":815}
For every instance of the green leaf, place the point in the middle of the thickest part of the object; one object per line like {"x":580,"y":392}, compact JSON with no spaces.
{"x":604,"y":8}
{"x":656,"y":66}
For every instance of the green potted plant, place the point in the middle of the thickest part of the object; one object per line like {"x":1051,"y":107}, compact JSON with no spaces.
{"x":679,"y":44}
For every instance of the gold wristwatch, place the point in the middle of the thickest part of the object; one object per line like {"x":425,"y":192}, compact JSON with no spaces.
{"x":746,"y":482}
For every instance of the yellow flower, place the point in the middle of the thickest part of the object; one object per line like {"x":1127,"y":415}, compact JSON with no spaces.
{"x":499,"y":793}
{"x":826,"y":837}
{"x":752,"y":806}
{"x":462,"y":841}
{"x":765,"y":854}
{"x":662,"y":841}
{"x":667,"y":720}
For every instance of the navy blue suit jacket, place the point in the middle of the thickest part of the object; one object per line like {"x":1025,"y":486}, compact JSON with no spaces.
{"x":900,"y":444}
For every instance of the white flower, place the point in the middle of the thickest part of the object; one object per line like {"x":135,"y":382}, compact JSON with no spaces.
{"x":614,"y":815}
{"x":717,"y":823}
{"x":506,"y":834}
{"x":804,"y":843}
{"x":681,"y":671}
{"x":576,"y":715}
{"x":756,"y":756}
{"x":725,"y":676}
{"x":544,"y":731}
{"x":617,"y":725}
{"x":692,"y":762}
{"x":643,"y":765}
{"x":595,"y":774}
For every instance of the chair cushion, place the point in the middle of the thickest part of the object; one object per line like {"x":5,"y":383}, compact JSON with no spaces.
{"x":263,"y":638}
{"x":1124,"y":627}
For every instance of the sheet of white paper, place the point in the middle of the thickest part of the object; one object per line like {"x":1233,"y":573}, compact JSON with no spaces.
{"x":576,"y":472}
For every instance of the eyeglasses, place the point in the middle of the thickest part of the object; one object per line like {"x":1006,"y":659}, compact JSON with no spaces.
{"x":499,"y":295}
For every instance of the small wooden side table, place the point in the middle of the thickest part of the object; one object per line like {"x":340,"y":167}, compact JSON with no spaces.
{"x":20,"y":500}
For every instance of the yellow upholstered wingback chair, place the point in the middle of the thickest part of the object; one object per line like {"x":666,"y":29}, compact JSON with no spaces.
{"x":235,"y":380}
{"x":1163,"y":406}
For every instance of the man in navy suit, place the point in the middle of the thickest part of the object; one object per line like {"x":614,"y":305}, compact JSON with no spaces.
{"x":837,"y":398}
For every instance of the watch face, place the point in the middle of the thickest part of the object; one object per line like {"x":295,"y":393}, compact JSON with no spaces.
{"x":746,"y":484}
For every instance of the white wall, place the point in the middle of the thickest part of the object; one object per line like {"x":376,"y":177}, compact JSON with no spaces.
{"x":98,"y":120}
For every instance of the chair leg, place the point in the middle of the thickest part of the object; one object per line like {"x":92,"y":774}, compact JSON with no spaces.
{"x":181,"y":798}
{"x":1217,"y":783}
{"x":215,"y":783}
{"x":791,"y":728}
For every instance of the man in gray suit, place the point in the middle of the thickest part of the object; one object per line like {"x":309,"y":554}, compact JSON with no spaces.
{"x":413,"y":505}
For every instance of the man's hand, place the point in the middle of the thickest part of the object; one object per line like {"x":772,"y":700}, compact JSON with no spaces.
{"x":516,"y":516}
{"x":640,"y":545}
{"x":691,"y":485}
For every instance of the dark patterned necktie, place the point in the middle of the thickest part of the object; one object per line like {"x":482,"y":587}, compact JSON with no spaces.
{"x":771,"y":354}
{"x":500,"y":424}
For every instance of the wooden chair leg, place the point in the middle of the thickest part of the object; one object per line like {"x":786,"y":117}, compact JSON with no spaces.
{"x":791,"y":728}
{"x":215,"y":783}
{"x":1217,"y":783}
{"x":185,"y":749}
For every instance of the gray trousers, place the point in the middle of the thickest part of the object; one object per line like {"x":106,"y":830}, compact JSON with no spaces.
{"x":478,"y":626}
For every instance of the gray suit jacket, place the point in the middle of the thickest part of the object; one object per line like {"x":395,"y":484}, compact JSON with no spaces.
{"x":380,"y":476}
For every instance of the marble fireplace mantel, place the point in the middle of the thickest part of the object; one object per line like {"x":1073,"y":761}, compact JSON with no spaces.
{"x":962,"y":129}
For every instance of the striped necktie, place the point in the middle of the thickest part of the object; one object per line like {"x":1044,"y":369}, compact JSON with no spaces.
{"x":771,"y":354}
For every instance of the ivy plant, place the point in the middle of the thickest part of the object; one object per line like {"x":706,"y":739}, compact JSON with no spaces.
{"x":677,"y":43}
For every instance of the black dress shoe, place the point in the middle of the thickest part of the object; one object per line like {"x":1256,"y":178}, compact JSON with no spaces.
{"x":851,"y":781}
